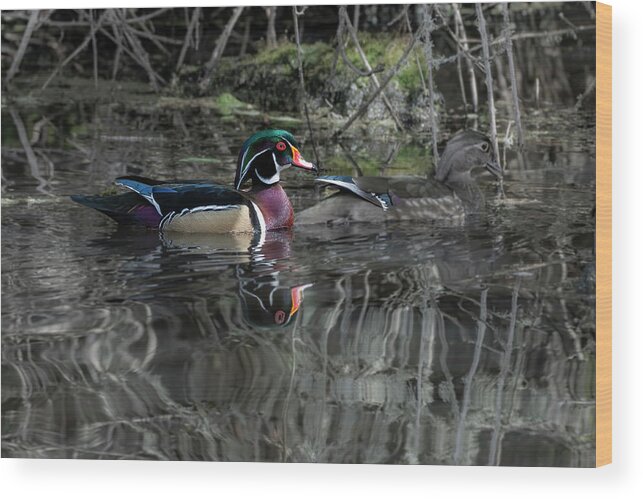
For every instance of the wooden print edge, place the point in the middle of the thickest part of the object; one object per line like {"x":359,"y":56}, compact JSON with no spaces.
{"x":603,"y":234}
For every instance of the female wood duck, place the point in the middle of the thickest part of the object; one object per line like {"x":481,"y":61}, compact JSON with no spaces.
{"x":451,"y":195}
{"x":203,"y":207}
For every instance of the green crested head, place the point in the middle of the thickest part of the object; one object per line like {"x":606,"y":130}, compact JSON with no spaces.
{"x":265,"y":154}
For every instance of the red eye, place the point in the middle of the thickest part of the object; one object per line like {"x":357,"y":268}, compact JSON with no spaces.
{"x":280,"y":315}
{"x":281,"y":146}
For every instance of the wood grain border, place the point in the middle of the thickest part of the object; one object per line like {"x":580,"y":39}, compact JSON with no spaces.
{"x":603,"y":234}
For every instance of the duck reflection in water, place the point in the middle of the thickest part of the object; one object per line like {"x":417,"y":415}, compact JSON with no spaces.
{"x":266,"y":302}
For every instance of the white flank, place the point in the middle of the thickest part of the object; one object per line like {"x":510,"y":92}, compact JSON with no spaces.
{"x":167,"y":219}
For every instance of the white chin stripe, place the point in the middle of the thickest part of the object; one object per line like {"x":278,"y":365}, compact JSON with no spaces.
{"x":273,"y":179}
{"x":269,"y":181}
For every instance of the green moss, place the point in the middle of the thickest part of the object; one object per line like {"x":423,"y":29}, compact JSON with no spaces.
{"x":313,"y":55}
{"x":285,"y":121}
{"x":112,"y":190}
{"x":283,"y":53}
{"x":411,"y":159}
{"x":227,"y":104}
{"x":341,"y":165}
{"x":317,"y":59}
{"x":387,"y":51}
{"x":202,"y":160}
{"x":224,"y":104}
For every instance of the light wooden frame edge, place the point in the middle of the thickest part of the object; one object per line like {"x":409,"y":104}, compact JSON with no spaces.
{"x":603,"y":234}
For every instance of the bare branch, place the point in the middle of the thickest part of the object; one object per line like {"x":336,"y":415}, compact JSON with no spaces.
{"x":482,"y":26}
{"x":304,"y":105}
{"x":24,"y":42}
{"x":389,"y":76}
{"x":219,"y":48}
{"x":362,"y":55}
{"x":512,"y":75}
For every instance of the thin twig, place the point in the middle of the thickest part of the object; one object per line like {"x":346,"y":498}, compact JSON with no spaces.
{"x":302,"y":85}
{"x":271,"y":33}
{"x":219,"y":48}
{"x":24,"y":42}
{"x":417,"y":57}
{"x":358,"y":170}
{"x":117,"y":38}
{"x":389,"y":76}
{"x":429,"y":25}
{"x":353,"y":33}
{"x":246,"y":38}
{"x":459,"y":65}
{"x":188,"y":37}
{"x":465,"y":51}
{"x":482,"y":26}
{"x":137,"y":48}
{"x":403,"y":12}
{"x":341,"y":48}
{"x":78,"y":50}
{"x":94,"y":47}
{"x":512,"y":75}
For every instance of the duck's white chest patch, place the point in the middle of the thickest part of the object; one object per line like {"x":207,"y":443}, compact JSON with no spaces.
{"x":211,"y":221}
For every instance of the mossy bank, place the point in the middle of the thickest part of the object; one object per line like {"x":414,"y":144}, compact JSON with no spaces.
{"x":269,"y":80}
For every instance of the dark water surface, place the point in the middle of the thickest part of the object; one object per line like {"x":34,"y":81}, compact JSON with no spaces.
{"x":414,"y":342}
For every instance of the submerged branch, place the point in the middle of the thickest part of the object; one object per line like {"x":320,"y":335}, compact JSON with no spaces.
{"x":468,"y":380}
{"x":505,"y":365}
{"x":32,"y":160}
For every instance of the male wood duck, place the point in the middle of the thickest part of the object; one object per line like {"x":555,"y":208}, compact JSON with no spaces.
{"x":203,"y":207}
{"x":452,"y":194}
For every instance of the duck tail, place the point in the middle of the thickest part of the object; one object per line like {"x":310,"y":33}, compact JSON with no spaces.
{"x":126,"y":209}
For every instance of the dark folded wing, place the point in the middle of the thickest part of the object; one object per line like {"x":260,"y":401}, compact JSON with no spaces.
{"x":175,"y":198}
